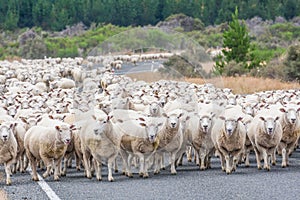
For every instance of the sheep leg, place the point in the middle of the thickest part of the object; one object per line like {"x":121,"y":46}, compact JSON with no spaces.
{"x":156,"y":163}
{"x":273,"y":156}
{"x":228,"y":167}
{"x":110,"y":168}
{"x":257,"y":155}
{"x":98,"y":167}
{"x":266,"y":160}
{"x":67,"y":157}
{"x":22,"y":170}
{"x":247,"y":162}
{"x":162,"y":163}
{"x":189,"y":153}
{"x":87,"y":165}
{"x":48,"y":162}
{"x":115,"y":165}
{"x":173,"y":158}
{"x":201,"y":156}
{"x":284,"y":157}
{"x":8,"y":173}
{"x":126,"y":164}
{"x":33,"y":164}
{"x":57,"y":167}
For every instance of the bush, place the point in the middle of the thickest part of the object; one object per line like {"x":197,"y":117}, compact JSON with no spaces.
{"x":292,"y":63}
{"x":234,"y":69}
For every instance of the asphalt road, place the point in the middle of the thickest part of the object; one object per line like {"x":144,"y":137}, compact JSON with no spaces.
{"x":189,"y":183}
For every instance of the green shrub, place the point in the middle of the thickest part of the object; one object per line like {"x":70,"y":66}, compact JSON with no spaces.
{"x":292,"y":63}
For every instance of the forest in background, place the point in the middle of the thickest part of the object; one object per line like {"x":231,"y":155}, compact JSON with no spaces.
{"x":55,"y":15}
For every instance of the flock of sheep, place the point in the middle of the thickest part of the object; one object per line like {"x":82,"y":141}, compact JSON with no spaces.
{"x":54,"y":110}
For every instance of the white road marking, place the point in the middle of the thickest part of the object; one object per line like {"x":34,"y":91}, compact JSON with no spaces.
{"x":47,"y":189}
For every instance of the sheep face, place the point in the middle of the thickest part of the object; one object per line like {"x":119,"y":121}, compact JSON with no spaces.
{"x":151,"y":131}
{"x":290,"y":115}
{"x":248,"y":110}
{"x":5,"y":132}
{"x":230,"y":125}
{"x":154,"y":108}
{"x":173,"y":121}
{"x":205,"y":123}
{"x":102,"y":125}
{"x":120,"y":103}
{"x":64,"y":133}
{"x":269,"y":124}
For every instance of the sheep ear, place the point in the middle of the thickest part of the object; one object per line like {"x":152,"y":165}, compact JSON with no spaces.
{"x":143,"y":124}
{"x":109,"y":117}
{"x":164,"y":115}
{"x":298,"y":110}
{"x":239,"y":119}
{"x":180,"y":115}
{"x":282,"y":110}
{"x":222,"y":117}
{"x":262,"y":118}
{"x":51,"y":117}
{"x":276,"y":118}
{"x":23,"y":120}
{"x":141,"y":119}
{"x":94,"y":117}
{"x":39,"y":119}
{"x":57,"y":128}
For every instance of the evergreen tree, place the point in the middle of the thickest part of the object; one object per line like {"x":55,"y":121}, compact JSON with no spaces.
{"x":236,"y":40}
{"x":236,"y":43}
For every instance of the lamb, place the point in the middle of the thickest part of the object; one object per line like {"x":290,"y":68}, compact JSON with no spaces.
{"x":229,"y":136}
{"x":8,"y":148}
{"x":265,"y":133}
{"x":291,"y":132}
{"x":48,"y":144}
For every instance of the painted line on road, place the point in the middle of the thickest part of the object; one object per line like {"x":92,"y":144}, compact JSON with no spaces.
{"x":45,"y":187}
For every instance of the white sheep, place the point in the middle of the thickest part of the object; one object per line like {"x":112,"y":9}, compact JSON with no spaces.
{"x":170,"y":140}
{"x":97,"y":141}
{"x":48,"y":144}
{"x":265,"y":133}
{"x":290,"y":123}
{"x":141,"y":142}
{"x":8,"y":148}
{"x":229,"y":136}
{"x":199,"y":130}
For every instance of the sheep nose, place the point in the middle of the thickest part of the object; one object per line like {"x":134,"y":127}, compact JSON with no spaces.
{"x":5,"y":137}
{"x":173,"y":124}
{"x":270,"y":129}
{"x":293,"y":120}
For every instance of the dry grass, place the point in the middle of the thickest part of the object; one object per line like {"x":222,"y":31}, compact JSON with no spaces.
{"x":239,"y":85}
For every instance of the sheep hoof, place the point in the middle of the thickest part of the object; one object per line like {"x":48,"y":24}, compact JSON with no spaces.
{"x":99,"y":179}
{"x":56,"y":178}
{"x":163,"y":168}
{"x":111,"y":179}
{"x":259,"y":168}
{"x":247,"y":165}
{"x":283,"y":166}
{"x":141,"y":174}
{"x":45,"y":175}
{"x":35,"y":178}
{"x":174,"y":173}
{"x":146,"y":176}
{"x":116,"y":171}
{"x":63,"y":174}
{"x":8,"y":182}
{"x":273,"y":163}
{"x":189,"y":160}
{"x":156,"y":172}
